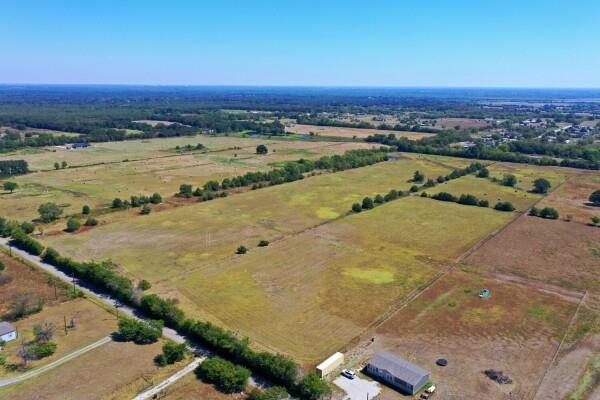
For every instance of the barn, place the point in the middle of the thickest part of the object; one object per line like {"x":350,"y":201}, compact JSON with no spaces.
{"x":397,"y":373}
{"x":7,"y":332}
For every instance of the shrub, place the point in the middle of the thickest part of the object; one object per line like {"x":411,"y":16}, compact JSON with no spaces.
{"x":483,"y":203}
{"x":367,"y":203}
{"x":429,"y":183}
{"x":144,"y":285}
{"x":356,"y":207}
{"x":483,"y":173}
{"x":241,"y":250}
{"x":272,"y":393}
{"x":40,"y":350}
{"x":172,"y":352}
{"x":140,"y":332}
{"x":595,"y":221}
{"x":392,"y":195}
{"x":185,"y":190}
{"x":2,"y":266}
{"x":468,"y":199}
{"x":418,"y":177}
{"x":226,"y":376}
{"x":91,"y":221}
{"x":156,"y":198}
{"x":263,"y":243}
{"x":379,"y":199}
{"x":85,"y":210}
{"x":49,"y":212}
{"x":27,"y":227}
{"x":145,"y":210}
{"x":509,"y":180}
{"x":24,"y":242}
{"x":117,"y":203}
{"x":504,"y":206}
{"x":414,"y":188}
{"x":424,"y":194}
{"x":73,"y":224}
{"x":444,"y":196}
{"x":595,"y":198}
{"x":549,"y":212}
{"x":534,"y":212}
{"x":440,"y":179}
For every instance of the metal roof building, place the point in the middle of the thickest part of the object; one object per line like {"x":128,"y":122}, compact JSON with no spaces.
{"x":7,"y":332}
{"x":397,"y":372}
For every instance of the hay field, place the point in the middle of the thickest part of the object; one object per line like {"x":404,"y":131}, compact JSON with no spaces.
{"x":526,"y":174}
{"x":449,"y":320}
{"x":97,"y":185}
{"x":360,"y":133}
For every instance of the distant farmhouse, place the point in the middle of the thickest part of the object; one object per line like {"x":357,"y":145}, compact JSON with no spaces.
{"x":397,"y":373}
{"x":7,"y":332}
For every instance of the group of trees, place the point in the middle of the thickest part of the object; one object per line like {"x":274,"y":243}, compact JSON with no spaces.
{"x":440,"y":144}
{"x":140,"y":332}
{"x":41,"y":346}
{"x":137,"y":201}
{"x":369,"y":203}
{"x":171,"y":353}
{"x":228,"y":377}
{"x":471,"y":200}
{"x":62,"y":165}
{"x":291,"y":171}
{"x":13,"y":167}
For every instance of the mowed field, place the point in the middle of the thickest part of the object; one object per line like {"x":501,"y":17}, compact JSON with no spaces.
{"x":318,"y":265}
{"x":516,"y":331}
{"x":158,"y":169}
{"x":351,"y":132}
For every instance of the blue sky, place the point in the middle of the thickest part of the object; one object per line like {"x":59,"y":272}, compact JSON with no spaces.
{"x":527,"y":43}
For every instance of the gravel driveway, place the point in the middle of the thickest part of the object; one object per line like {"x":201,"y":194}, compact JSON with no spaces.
{"x":357,"y":388}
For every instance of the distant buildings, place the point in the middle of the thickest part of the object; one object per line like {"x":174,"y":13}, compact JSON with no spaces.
{"x":398,"y":373}
{"x":7,"y":332}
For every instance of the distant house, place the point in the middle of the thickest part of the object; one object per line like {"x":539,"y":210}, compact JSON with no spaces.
{"x":397,"y":373}
{"x":7,"y":332}
{"x":80,"y":145}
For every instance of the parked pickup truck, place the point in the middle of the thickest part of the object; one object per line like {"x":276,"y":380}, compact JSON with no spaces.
{"x":428,"y":392}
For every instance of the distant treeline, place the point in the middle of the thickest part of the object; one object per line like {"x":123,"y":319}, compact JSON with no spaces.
{"x":440,"y":145}
{"x":324,"y":121}
{"x":13,"y":167}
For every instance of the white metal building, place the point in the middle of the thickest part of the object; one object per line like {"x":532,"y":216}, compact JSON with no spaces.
{"x":330,"y":364}
{"x":7,"y":332}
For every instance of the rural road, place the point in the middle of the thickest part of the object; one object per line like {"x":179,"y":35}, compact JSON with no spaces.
{"x":130,"y":311}
{"x":53,"y":364}
{"x":170,"y":380}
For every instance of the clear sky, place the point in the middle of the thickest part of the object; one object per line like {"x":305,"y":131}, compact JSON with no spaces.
{"x":524,"y":43}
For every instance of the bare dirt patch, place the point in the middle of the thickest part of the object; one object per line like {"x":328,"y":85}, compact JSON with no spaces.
{"x":350,"y":132}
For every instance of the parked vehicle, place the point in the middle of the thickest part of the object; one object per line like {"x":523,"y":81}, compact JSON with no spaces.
{"x":349,"y":374}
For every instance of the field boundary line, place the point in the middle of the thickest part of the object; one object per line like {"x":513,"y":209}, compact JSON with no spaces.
{"x":559,"y":347}
{"x":170,"y":380}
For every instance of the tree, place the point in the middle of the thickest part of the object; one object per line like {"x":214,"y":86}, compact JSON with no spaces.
{"x":63,"y":164}
{"x":483,"y":173}
{"x":117,"y":203}
{"x":549,"y":212}
{"x":504,"y":206}
{"x":418,"y":177}
{"x":534,"y":212}
{"x":468,"y":199}
{"x":156,"y":198}
{"x":10,"y":186}
{"x":56,"y":165}
{"x":185,"y":190}
{"x":226,"y":376}
{"x":85,"y":210}
{"x":509,"y":180}
{"x":242,"y":250}
{"x":173,"y":352}
{"x":140,"y":332}
{"x":261,"y":149}
{"x":49,"y":212}
{"x":73,"y":224}
{"x":595,"y":221}
{"x":414,"y":188}
{"x":541,"y":185}
{"x":367,"y":203}
{"x":379,"y":199}
{"x":356,"y":207}
{"x":2,"y":266}
{"x":595,"y":198}
{"x":263,"y":243}
{"x":27,"y":227}
{"x":483,"y":203}
{"x":145,"y":209}
{"x":91,"y":221}
{"x":44,"y":332}
{"x":311,"y":387}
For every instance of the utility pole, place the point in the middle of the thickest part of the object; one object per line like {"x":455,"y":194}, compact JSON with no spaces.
{"x":73,"y":280}
{"x":65,"y":319}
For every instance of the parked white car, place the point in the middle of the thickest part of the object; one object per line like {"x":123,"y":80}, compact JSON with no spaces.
{"x":349,"y":374}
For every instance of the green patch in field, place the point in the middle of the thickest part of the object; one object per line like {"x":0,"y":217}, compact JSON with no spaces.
{"x":376,"y":276}
{"x":327,"y":213}
{"x":539,"y":312}
{"x":477,"y":315}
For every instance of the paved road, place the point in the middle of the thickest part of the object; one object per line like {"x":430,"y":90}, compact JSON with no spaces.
{"x":54,"y":364}
{"x":170,"y":380}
